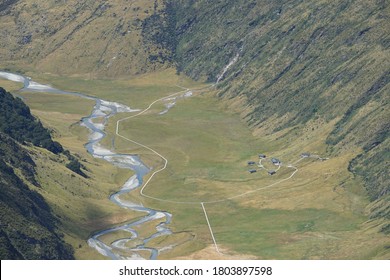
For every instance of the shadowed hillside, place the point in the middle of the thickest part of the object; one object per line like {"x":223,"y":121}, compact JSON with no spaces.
{"x":28,"y":226}
{"x":17,"y":121}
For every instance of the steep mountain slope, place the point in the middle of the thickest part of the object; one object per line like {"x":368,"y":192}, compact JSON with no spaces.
{"x":28,"y":226}
{"x":29,"y":229}
{"x":297,"y":61}
{"x":78,"y":37}
{"x":17,"y":121}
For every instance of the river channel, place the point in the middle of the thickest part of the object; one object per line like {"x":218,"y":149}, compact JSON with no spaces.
{"x":96,"y":122}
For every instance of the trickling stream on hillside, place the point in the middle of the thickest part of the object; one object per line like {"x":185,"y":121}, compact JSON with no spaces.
{"x":232,"y":61}
{"x":96,"y":122}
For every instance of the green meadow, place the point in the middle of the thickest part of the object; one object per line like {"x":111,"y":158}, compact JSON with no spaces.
{"x":317,"y":214}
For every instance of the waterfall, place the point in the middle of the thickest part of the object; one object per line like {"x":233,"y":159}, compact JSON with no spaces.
{"x":230,"y":64}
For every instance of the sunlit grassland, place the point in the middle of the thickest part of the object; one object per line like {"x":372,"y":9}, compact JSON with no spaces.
{"x":9,"y":85}
{"x":82,"y":204}
{"x":318,"y":213}
{"x":207,"y":149}
{"x":136,"y":92}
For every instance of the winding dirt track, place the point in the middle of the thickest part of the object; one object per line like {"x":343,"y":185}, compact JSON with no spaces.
{"x":165,"y":160}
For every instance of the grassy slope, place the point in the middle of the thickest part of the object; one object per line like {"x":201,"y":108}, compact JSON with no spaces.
{"x":29,"y":227}
{"x":47,"y":35}
{"x":300,"y":61}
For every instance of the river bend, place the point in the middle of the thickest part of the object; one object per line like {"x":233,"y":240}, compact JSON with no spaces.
{"x":96,"y":122}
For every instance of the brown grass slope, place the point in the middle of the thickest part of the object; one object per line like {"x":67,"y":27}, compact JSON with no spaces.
{"x":78,"y":37}
{"x":300,"y":61}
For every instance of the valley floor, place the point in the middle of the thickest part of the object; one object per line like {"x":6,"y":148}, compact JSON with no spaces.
{"x":309,"y":209}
